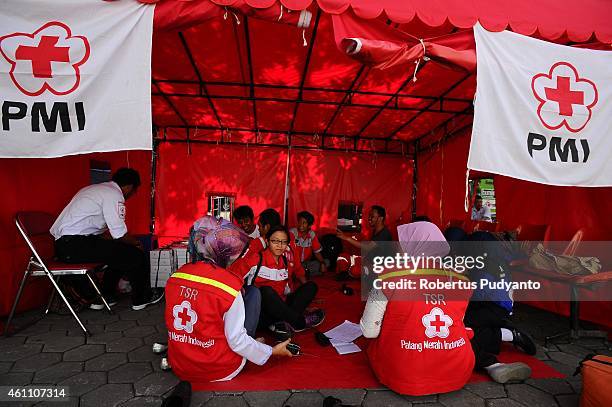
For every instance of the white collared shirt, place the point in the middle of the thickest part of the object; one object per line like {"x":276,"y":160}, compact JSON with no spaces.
{"x":255,"y":233}
{"x":92,"y":211}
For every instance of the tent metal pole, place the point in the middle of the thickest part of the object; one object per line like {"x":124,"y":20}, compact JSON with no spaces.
{"x":203,"y":89}
{"x":309,"y":102}
{"x":392,"y":98}
{"x":415,"y":177}
{"x":440,"y":98}
{"x":313,"y":89}
{"x":250,"y":64}
{"x":286,"y":201}
{"x":154,"y":154}
{"x":282,"y":146}
{"x":313,"y":37}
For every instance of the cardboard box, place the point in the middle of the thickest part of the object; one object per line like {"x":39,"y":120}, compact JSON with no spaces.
{"x":161,"y":257}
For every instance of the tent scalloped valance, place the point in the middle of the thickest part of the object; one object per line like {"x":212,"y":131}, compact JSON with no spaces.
{"x":550,"y":18}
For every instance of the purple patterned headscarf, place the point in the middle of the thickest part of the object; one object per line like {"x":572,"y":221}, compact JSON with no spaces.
{"x":218,"y":240}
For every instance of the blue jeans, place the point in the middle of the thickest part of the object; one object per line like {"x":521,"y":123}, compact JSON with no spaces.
{"x":252,"y":308}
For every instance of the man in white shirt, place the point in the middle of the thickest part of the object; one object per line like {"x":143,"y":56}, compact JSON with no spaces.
{"x":481,"y":212}
{"x":92,"y":228}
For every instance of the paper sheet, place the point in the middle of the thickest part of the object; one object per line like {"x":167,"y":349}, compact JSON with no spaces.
{"x":342,"y":337}
{"x":346,"y":348}
{"x":345,"y":332}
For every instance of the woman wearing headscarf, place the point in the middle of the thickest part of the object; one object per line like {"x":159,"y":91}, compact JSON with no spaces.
{"x":205,"y":312}
{"x":421,"y":345}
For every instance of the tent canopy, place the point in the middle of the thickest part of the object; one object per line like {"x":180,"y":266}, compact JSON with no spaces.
{"x":222,"y":77}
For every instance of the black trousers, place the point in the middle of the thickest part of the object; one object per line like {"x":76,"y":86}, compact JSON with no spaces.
{"x":486,"y":319}
{"x":122,"y":260}
{"x":291,"y":310}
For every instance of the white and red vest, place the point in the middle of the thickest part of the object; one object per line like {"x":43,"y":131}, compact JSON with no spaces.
{"x":423,"y":346}
{"x":197,"y":297}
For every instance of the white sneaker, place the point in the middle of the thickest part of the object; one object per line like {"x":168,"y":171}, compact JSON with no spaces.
{"x":99,"y":305}
{"x":154,"y":299}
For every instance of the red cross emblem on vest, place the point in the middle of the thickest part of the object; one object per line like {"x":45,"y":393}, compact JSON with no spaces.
{"x":184,"y":317}
{"x":565,"y":99}
{"x":47,"y":59}
{"x":437,"y":323}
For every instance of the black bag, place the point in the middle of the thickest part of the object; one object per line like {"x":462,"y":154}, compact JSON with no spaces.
{"x":331,"y":248}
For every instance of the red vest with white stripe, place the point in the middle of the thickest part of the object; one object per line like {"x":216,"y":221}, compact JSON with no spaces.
{"x":197,"y":297}
{"x":423,"y":347}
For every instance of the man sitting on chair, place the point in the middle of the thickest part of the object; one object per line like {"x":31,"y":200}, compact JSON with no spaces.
{"x":92,"y":228}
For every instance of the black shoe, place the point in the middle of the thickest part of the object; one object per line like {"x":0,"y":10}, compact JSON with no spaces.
{"x":344,"y":276}
{"x":523,"y":341}
{"x":152,"y":299}
{"x":98,"y":305}
{"x":281,"y":331}
{"x":180,"y":396}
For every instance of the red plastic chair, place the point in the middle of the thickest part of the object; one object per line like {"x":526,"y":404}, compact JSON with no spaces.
{"x":34,"y":228}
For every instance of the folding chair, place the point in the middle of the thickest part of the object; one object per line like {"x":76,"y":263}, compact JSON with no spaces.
{"x":34,"y":228}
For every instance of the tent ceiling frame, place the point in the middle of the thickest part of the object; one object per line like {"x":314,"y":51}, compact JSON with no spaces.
{"x":279,"y":145}
{"x":438,"y":99}
{"x":310,"y":102}
{"x":313,"y":89}
{"x":320,"y":145}
{"x":393,"y":97}
{"x":347,"y":100}
{"x":250,"y":67}
{"x":203,"y":88}
{"x":313,"y":38}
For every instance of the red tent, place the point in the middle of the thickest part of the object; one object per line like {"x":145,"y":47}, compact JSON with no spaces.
{"x":252,"y":95}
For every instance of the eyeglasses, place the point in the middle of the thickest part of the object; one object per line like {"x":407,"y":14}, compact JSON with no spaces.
{"x":279,"y":242}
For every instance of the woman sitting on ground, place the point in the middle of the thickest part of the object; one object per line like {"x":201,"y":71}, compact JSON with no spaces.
{"x":283,"y":306}
{"x":205,"y":312}
{"x":421,"y":345}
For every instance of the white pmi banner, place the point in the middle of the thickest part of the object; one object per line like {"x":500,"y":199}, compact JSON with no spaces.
{"x":75,"y":77}
{"x":543,"y":111}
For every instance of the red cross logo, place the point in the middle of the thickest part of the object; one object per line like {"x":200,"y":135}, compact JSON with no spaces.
{"x":184,"y":317}
{"x":437,"y":323}
{"x":564,"y":96}
{"x":51,"y":55}
{"x":565,"y":99}
{"x":42,"y":55}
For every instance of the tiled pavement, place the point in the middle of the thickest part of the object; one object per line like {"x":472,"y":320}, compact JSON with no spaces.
{"x":116,"y":367}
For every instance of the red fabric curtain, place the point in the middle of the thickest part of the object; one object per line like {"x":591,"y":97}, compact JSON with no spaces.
{"x":254,"y":176}
{"x":319,"y":180}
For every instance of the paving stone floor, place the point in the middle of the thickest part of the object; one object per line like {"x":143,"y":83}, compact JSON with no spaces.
{"x":116,"y":367}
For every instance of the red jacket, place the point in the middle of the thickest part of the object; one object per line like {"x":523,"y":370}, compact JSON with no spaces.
{"x":277,"y":275}
{"x":423,"y":348}
{"x":197,"y":297}
{"x":304,"y":244}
